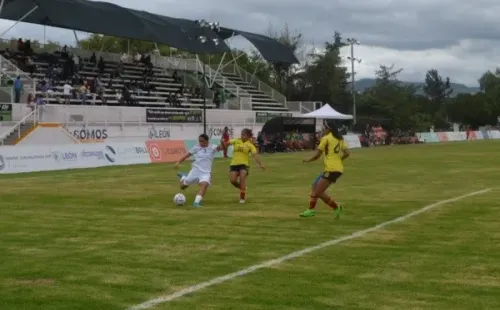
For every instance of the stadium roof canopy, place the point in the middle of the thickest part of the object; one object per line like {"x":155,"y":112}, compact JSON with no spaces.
{"x":114,"y":20}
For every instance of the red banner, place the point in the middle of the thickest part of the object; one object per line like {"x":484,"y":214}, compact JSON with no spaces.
{"x":166,"y":151}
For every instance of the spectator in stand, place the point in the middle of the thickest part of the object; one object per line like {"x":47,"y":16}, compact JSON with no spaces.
{"x":65,"y":52}
{"x":93,"y":59}
{"x":67,"y":90}
{"x":76,"y":64}
{"x":28,"y":51}
{"x":18,"y":89}
{"x":175,"y":76}
{"x":127,"y":96}
{"x":137,"y":58}
{"x":82,"y":93}
{"x":44,"y":88}
{"x":20,"y":45}
{"x":124,"y":57}
{"x":30,"y":101}
{"x":30,"y":66}
{"x":101,"y":65}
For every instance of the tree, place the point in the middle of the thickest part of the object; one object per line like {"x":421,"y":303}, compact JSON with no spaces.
{"x":283,"y":74}
{"x":323,"y":78}
{"x":436,"y":88}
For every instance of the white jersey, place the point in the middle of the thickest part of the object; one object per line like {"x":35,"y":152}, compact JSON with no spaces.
{"x":203,"y":157}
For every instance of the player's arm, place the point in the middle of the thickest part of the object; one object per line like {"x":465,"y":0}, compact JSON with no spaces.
{"x":345,"y":150}
{"x":183,"y":158}
{"x":319,"y":151}
{"x":225,"y":144}
{"x":256,"y":157}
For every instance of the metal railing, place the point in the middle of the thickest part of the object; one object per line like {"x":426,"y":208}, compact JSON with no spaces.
{"x":302,"y":106}
{"x":8,"y":69}
{"x":33,"y":114}
{"x":253,"y":80}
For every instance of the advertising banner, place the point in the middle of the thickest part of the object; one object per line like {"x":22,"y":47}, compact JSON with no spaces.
{"x":165,"y":151}
{"x":456,"y":135}
{"x":428,"y":137}
{"x":494,"y":134}
{"x":5,"y":112}
{"x":262,"y":117}
{"x":59,"y":157}
{"x":479,"y":135}
{"x":442,"y":136}
{"x":156,"y":115}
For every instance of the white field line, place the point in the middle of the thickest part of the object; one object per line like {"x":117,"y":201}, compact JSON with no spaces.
{"x":200,"y":286}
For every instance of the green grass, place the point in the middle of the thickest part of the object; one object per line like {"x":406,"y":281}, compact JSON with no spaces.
{"x":111,"y":238}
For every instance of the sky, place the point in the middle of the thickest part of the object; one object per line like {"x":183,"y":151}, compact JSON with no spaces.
{"x":459,"y":38}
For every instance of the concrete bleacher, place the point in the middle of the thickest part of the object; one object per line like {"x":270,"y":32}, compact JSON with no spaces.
{"x":260,"y":100}
{"x":163,"y":84}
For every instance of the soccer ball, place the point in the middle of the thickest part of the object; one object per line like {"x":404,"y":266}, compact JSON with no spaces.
{"x":179,"y":199}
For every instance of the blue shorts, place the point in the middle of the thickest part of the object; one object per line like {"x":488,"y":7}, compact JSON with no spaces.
{"x":330,"y":176}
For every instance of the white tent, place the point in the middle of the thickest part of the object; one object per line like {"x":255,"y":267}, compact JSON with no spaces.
{"x":327,"y":112}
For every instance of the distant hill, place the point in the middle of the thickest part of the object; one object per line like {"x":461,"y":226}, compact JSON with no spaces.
{"x":363,"y":84}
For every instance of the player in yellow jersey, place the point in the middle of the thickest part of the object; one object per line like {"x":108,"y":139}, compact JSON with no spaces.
{"x":238,"y":169}
{"x":334,"y":150}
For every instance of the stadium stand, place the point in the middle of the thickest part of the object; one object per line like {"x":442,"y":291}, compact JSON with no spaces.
{"x":65,"y":78}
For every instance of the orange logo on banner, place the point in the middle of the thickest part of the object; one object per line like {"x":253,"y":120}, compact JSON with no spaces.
{"x":442,"y":136}
{"x":165,"y":151}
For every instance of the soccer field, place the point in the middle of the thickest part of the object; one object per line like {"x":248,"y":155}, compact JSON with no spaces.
{"x":111,"y":238}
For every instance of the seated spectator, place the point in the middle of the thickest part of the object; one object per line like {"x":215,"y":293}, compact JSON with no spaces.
{"x":67,"y":90}
{"x":44,"y":88}
{"x":82,"y":94}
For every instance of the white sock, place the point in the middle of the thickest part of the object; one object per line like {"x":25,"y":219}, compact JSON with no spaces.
{"x":198,"y":199}
{"x":183,"y":178}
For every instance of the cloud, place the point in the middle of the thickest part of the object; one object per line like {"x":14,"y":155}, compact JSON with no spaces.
{"x":459,"y":38}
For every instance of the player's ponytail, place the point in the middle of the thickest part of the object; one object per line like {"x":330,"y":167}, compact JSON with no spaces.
{"x":330,"y":124}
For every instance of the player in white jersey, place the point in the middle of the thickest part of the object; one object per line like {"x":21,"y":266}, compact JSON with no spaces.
{"x":201,"y":168}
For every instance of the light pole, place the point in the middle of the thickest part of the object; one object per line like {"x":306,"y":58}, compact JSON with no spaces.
{"x":352,"y":42}
{"x":212,"y":26}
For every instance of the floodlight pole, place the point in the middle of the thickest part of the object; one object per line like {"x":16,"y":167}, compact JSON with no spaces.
{"x":1,"y":6}
{"x":352,"y":42}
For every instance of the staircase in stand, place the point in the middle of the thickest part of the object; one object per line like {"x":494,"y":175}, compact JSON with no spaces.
{"x":263,"y":96}
{"x":19,"y":132}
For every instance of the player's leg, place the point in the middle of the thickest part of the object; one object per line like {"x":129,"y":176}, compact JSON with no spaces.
{"x":332,"y":178}
{"x":234,"y":177}
{"x":243,"y":184}
{"x":204,"y":182}
{"x":188,"y":179}
{"x":320,"y":185}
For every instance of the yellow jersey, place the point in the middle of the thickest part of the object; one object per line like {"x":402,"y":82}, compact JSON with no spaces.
{"x":241,"y":152}
{"x":332,"y":149}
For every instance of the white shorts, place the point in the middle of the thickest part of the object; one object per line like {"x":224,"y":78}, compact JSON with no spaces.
{"x":196,"y":176}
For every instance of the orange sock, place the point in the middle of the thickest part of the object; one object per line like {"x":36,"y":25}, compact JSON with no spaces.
{"x":312,"y":202}
{"x":332,"y":203}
